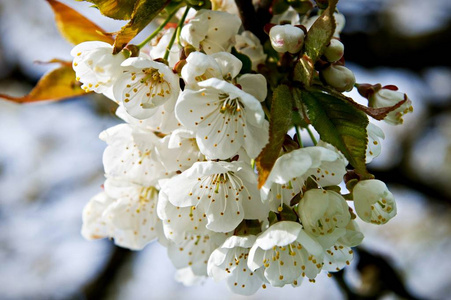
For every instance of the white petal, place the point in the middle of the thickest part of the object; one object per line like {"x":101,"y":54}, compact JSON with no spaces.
{"x":254,"y":84}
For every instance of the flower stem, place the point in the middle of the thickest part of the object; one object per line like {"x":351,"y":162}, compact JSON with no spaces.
{"x":176,"y":33}
{"x":159,"y":28}
{"x":298,"y":134}
{"x":312,"y":136}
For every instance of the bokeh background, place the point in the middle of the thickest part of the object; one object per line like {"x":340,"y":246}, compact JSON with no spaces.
{"x":51,"y":165}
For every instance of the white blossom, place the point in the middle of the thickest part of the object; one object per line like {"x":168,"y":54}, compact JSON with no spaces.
{"x":96,"y":67}
{"x":226,"y":192}
{"x":144,"y":85}
{"x":225,"y":5}
{"x":340,"y":254}
{"x":373,"y":201}
{"x":179,"y":151}
{"x":163,"y":120}
{"x":132,"y":216}
{"x":374,"y":148}
{"x":211,"y":31}
{"x":224,"y":118}
{"x":180,"y":222}
{"x":286,"y":253}
{"x":248,"y":44}
{"x":200,"y":67}
{"x":193,"y":252}
{"x":94,"y":226}
{"x":229,"y":261}
{"x":290,"y":171}
{"x":386,"y":97}
{"x":131,"y":155}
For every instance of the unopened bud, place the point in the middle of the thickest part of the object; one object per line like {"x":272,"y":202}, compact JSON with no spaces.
{"x":286,"y":38}
{"x":334,"y":51}
{"x":339,"y":77}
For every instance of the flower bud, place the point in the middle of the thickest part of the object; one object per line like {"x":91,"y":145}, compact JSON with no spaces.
{"x":286,"y":38}
{"x":334,"y":51}
{"x":373,"y":201}
{"x":385,"y":97}
{"x":321,"y":212}
{"x":339,"y":77}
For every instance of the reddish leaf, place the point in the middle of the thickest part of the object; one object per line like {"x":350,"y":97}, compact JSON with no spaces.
{"x":74,"y":27}
{"x":58,"y":84}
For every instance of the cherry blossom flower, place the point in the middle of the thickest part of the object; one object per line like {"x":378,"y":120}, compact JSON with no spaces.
{"x":179,"y":151}
{"x":200,"y":67}
{"x":180,"y":222}
{"x":374,"y":148}
{"x":373,"y":201}
{"x":94,"y":226}
{"x":248,"y":44}
{"x":340,"y":254}
{"x":224,"y":118}
{"x":286,"y":253}
{"x":389,"y":96}
{"x":96,"y":67}
{"x":229,"y":261}
{"x":226,"y":192}
{"x":144,"y":85}
{"x":163,"y":120}
{"x":290,"y":171}
{"x":195,"y":251}
{"x":211,"y":31}
{"x":133,"y":218}
{"x":131,"y":155}
{"x":125,"y":212}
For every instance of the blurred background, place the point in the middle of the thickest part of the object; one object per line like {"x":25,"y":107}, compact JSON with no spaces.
{"x":51,"y":165}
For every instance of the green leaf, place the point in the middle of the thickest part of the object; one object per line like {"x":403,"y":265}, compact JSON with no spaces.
{"x":144,"y":12}
{"x":340,"y":124}
{"x":116,"y":9}
{"x":303,"y":71}
{"x":74,"y":27}
{"x":321,"y":32}
{"x":279,"y":124}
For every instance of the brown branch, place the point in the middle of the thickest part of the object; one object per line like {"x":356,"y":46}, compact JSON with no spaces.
{"x":254,"y":20}
{"x":98,"y":287}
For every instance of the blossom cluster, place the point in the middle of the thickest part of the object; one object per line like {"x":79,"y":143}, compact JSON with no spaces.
{"x":180,"y":169}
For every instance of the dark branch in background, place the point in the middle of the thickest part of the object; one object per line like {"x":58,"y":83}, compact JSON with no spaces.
{"x":378,"y":278}
{"x":254,"y":20}
{"x":98,"y":287}
{"x":386,"y":47}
